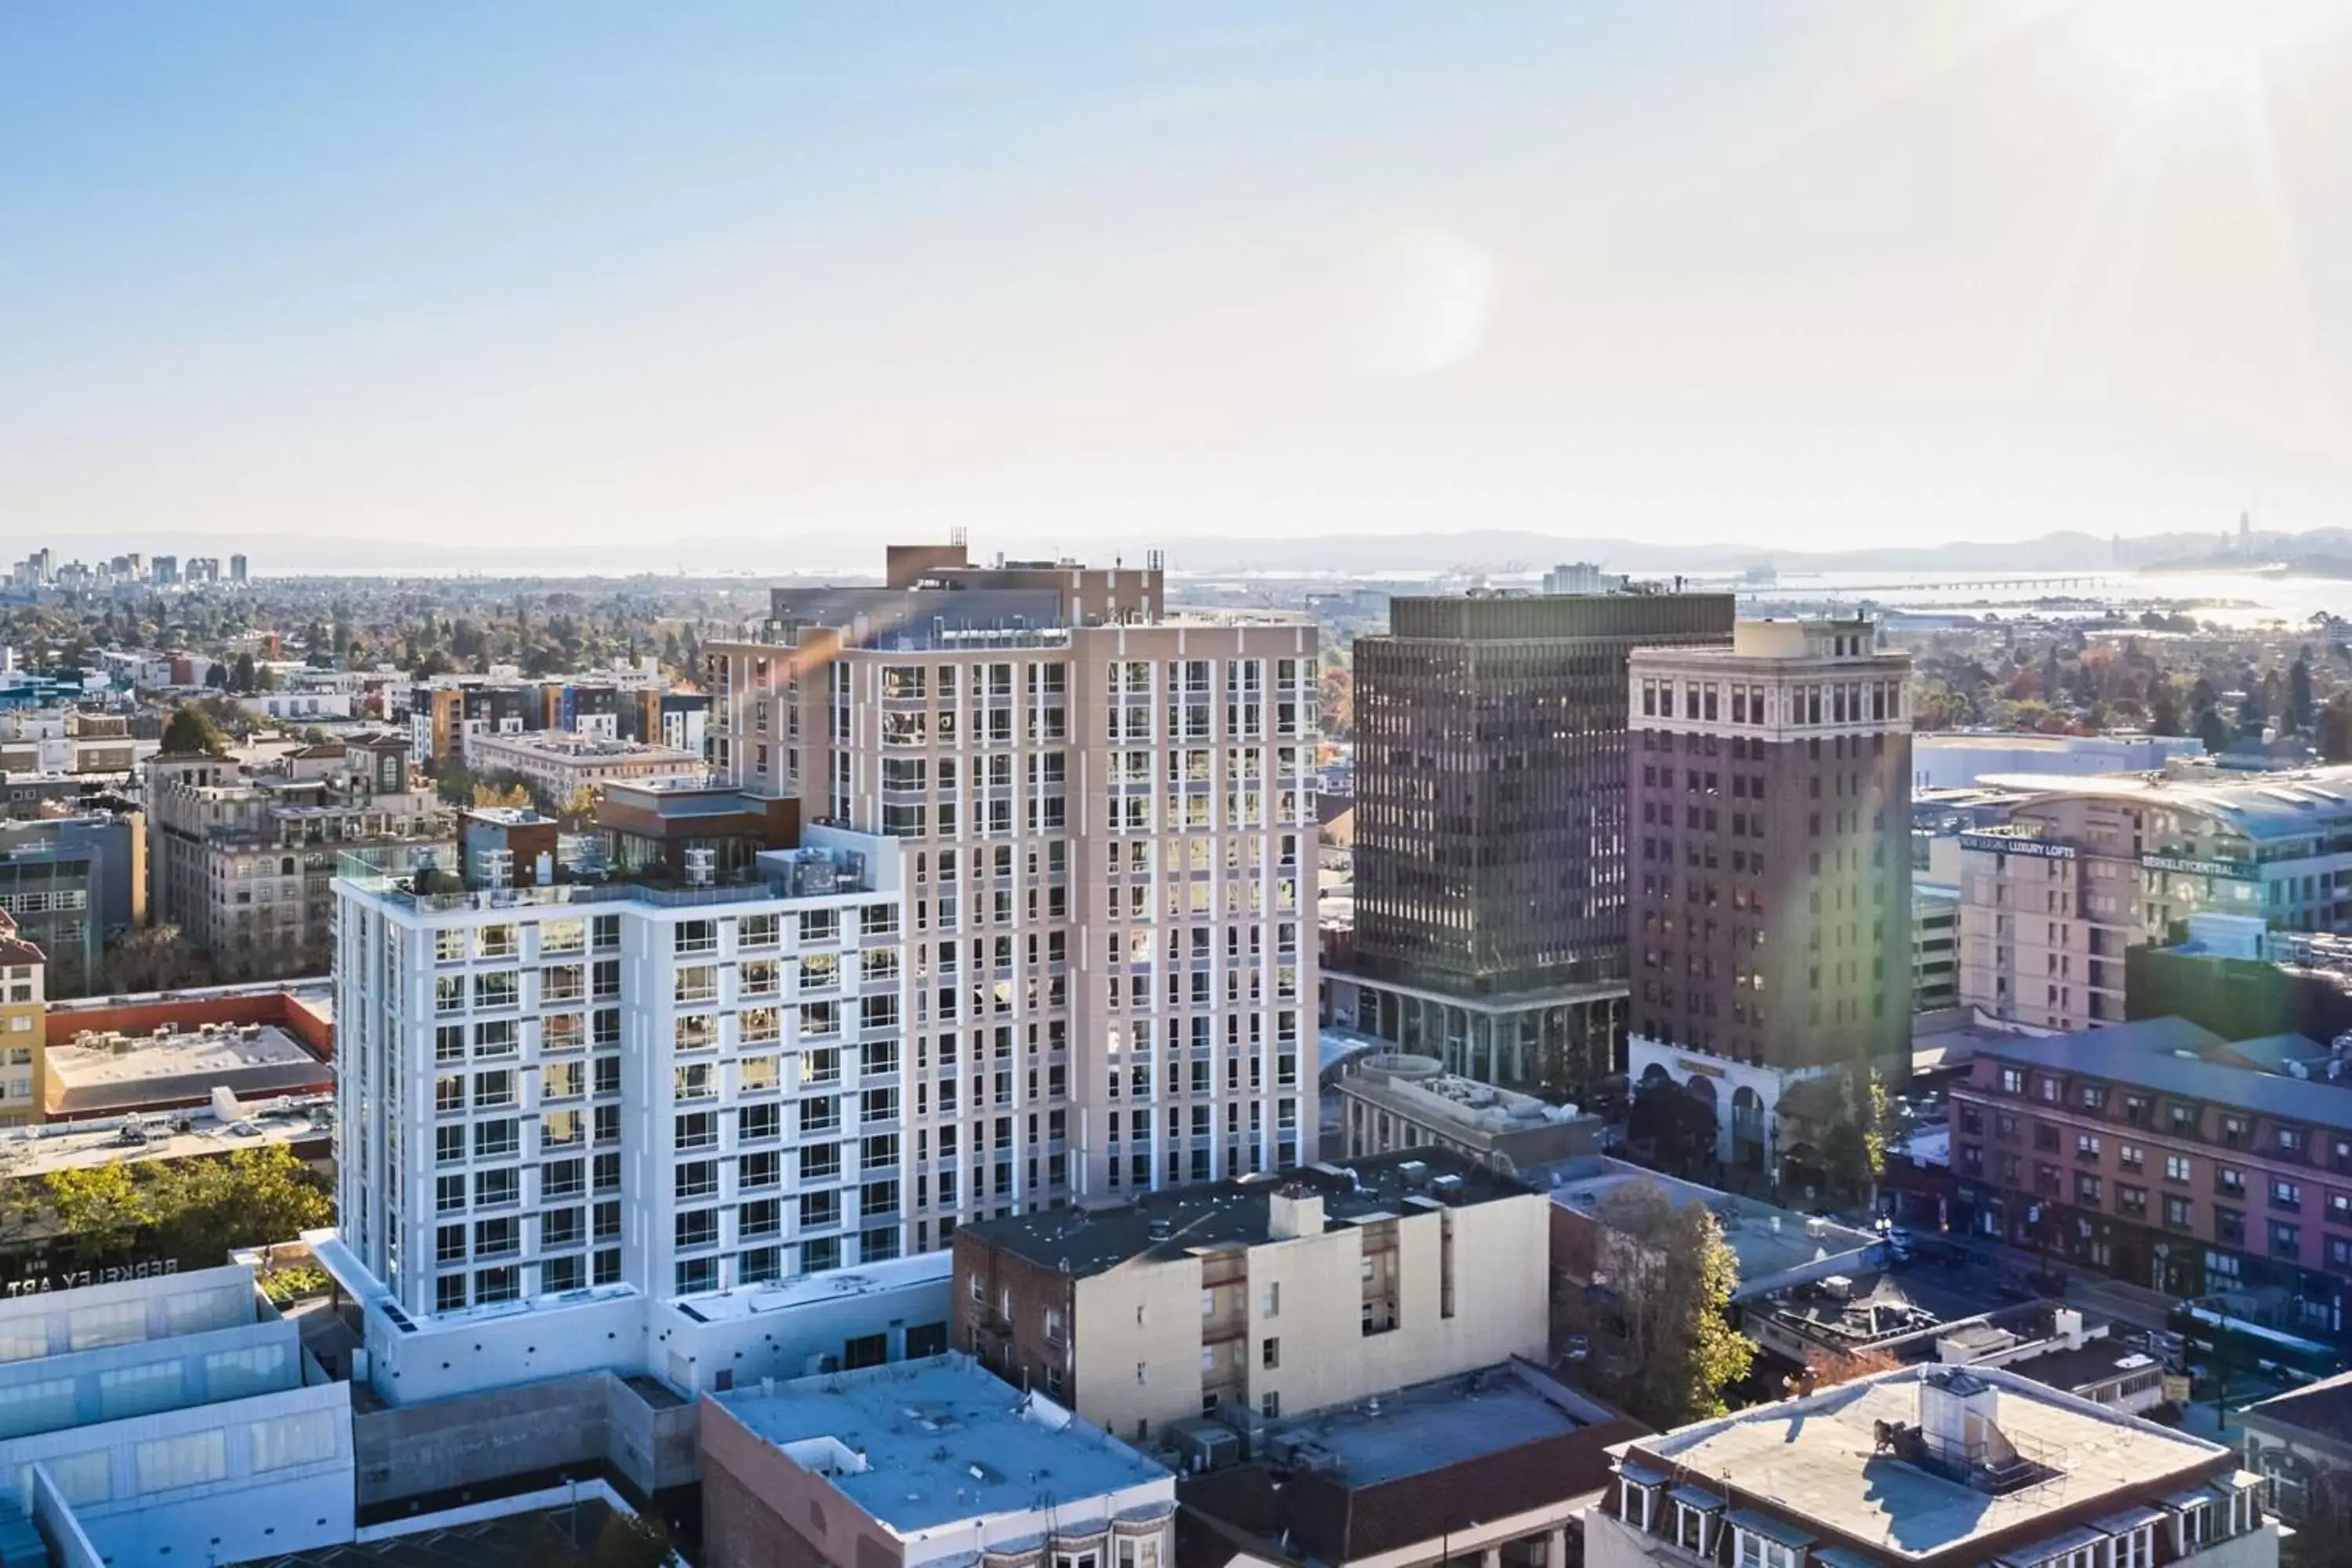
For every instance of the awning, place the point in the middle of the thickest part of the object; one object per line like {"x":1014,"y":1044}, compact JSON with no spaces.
{"x":1697,"y":1496}
{"x":2130,"y":1519}
{"x":1770,"y":1528}
{"x":1642,"y":1475}
{"x":2057,"y":1545}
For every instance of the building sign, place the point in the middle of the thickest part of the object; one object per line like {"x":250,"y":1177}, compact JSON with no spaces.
{"x":74,"y":1279}
{"x":2240,"y":870}
{"x":2005,"y":844}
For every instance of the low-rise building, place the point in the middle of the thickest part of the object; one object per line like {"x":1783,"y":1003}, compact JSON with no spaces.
{"x":561,"y":763}
{"x":1391,"y":1101}
{"x":1934,"y":1468}
{"x":31,"y":794}
{"x":2300,"y":1443}
{"x":73,"y":884}
{"x":1496,"y":1466}
{"x":169,"y":1419}
{"x":244,"y":856}
{"x":1260,"y":1296}
{"x":1957,"y":759}
{"x":2088,"y":868}
{"x":1599,"y":1204}
{"x":2238,"y":978}
{"x":931,"y":1462}
{"x":2163,"y":1154}
{"x":113,"y":1073}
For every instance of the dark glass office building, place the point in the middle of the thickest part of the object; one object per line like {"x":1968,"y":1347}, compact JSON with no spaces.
{"x":1491,"y":827}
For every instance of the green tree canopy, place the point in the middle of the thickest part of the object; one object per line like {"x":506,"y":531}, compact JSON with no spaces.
{"x":191,"y":730}
{"x":1672,"y":1274}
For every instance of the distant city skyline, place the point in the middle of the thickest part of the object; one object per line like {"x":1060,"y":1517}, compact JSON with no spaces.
{"x":1819,"y":278}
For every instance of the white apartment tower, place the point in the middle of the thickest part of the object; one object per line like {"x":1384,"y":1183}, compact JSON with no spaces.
{"x":1106,"y":818}
{"x":617,"y":1098}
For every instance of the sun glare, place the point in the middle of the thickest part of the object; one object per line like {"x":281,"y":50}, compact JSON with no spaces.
{"x":2168,"y":50}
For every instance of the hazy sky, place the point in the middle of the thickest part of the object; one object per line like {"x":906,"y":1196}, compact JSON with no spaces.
{"x":1815,"y":273}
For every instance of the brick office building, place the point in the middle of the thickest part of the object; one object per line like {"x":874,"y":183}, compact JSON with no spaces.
{"x":1770,"y":876}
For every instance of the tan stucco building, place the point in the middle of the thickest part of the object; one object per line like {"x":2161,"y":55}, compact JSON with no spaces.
{"x":1259,"y":1299}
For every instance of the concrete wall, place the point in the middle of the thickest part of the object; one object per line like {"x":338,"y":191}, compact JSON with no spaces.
{"x":69,"y":1545}
{"x":564,"y":1424}
{"x":1500,"y":1304}
{"x":1139,"y":1314}
{"x":446,"y":1359}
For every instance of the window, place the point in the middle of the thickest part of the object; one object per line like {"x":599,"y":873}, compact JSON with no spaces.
{"x":194,"y":1459}
{"x":1759,"y":1551}
{"x":305,"y":1437}
{"x":2176,"y":1168}
{"x":1270,"y":1354}
{"x":126,"y":1391}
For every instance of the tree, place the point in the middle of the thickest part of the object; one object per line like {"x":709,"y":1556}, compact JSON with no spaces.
{"x":516,"y":795}
{"x":102,"y":1208}
{"x":1854,"y":1148}
{"x":241,"y":677}
{"x":1665,"y":1116}
{"x":2164,"y":710}
{"x":2253,"y":713}
{"x":2213,"y":731}
{"x":153,"y":958}
{"x":455,"y":783}
{"x":581,"y":806}
{"x":205,"y":1208}
{"x":1672,"y":1275}
{"x":191,"y":732}
{"x":216,"y":676}
{"x":2336,"y":729}
{"x":2298,"y":693}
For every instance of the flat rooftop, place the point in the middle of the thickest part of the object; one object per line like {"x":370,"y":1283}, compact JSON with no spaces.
{"x":571,"y":744}
{"x":2262,"y":807}
{"x":828,"y":1285}
{"x":96,"y":1074}
{"x":38,"y":1150}
{"x":1234,"y":1213}
{"x":1434,"y":1426}
{"x":1817,"y":1460}
{"x":1768,"y":1241}
{"x":922,"y":1443}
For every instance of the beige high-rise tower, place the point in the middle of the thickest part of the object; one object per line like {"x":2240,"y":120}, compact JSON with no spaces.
{"x":1107,"y":812}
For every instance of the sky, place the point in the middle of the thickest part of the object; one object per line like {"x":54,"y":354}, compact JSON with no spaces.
{"x":1818,"y":274}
